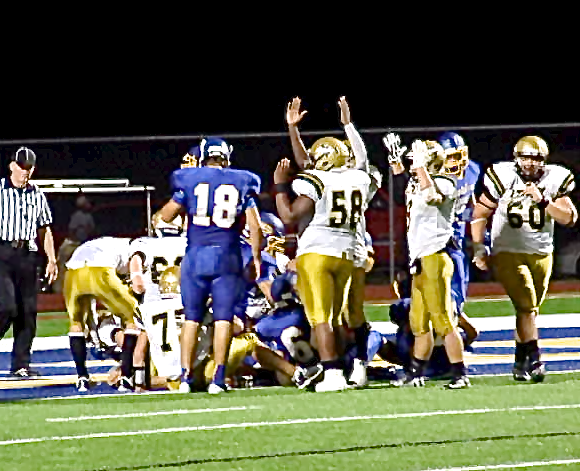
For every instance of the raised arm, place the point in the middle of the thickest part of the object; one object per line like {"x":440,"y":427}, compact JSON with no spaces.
{"x":293,"y":118}
{"x":358,"y":147}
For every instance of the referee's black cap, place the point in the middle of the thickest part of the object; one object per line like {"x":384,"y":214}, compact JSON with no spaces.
{"x":24,"y":157}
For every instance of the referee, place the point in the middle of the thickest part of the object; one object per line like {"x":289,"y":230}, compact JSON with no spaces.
{"x":23,"y":211}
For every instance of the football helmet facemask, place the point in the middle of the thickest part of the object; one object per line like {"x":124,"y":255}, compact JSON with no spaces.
{"x":328,"y":153}
{"x":531,"y":153}
{"x":167,"y":229}
{"x":215,"y":147}
{"x":456,"y":153}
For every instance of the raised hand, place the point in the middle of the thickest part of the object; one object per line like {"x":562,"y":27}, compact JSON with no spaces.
{"x":293,"y":113}
{"x":344,"y":111}
{"x":396,"y":152}
{"x":419,"y":153}
{"x":282,"y":172}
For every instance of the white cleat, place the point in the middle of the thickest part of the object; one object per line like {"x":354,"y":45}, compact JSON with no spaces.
{"x":215,"y":389}
{"x":334,"y":380}
{"x":358,"y":376}
{"x":184,"y":387}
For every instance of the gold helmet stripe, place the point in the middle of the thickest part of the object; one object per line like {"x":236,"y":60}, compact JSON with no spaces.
{"x":495,"y":180}
{"x":314,"y":181}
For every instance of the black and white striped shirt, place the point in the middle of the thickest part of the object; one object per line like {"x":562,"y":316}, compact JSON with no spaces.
{"x":22,"y":212}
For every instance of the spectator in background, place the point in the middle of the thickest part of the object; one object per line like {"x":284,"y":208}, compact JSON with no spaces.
{"x":81,"y":228}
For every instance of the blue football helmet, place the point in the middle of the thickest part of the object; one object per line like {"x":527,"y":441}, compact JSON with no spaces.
{"x":191,"y":159}
{"x":456,"y":153}
{"x":214,"y":147}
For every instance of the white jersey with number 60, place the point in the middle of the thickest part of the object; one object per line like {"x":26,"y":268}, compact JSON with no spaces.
{"x":519,"y":225}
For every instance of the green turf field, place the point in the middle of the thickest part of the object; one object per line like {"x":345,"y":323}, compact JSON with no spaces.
{"x":475,"y":308}
{"x":496,"y":422}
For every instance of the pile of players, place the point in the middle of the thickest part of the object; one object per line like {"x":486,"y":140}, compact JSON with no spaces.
{"x":214,"y":299}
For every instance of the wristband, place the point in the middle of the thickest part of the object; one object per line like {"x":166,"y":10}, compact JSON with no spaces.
{"x":282,"y":188}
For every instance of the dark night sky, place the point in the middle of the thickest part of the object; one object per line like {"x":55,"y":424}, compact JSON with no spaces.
{"x":168,"y":104}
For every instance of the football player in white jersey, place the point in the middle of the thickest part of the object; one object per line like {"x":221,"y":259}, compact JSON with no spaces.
{"x":526,"y":196}
{"x":356,"y":158}
{"x":154,"y":263}
{"x":92,"y":273}
{"x":431,"y":199}
{"x":334,"y":198}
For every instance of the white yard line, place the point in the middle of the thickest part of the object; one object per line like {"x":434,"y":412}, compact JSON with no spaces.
{"x":508,"y":465}
{"x":148,"y":414}
{"x":309,"y":420}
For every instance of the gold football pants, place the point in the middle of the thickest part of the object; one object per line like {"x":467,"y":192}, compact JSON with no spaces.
{"x":525,"y":277}
{"x":355,"y":292}
{"x":431,"y":296}
{"x":321,"y":284}
{"x":102,"y":283}
{"x":241,"y":346}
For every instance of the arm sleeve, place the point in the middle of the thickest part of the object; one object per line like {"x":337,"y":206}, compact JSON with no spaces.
{"x":45,"y":217}
{"x":252,"y":190}
{"x":178,"y":191}
{"x":302,"y":185}
{"x":358,"y":148}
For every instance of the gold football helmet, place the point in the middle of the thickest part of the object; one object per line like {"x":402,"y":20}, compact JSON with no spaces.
{"x":350,"y":160}
{"x":169,"y":281}
{"x":191,"y":159}
{"x":435,"y":157}
{"x":328,"y":152}
{"x":531,"y":153}
{"x":167,"y":229}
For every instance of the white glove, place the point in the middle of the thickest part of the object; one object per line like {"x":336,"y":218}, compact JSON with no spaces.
{"x":392,"y":142}
{"x":419,"y":154}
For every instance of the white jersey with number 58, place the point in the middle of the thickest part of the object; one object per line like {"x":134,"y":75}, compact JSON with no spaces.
{"x":340,"y":197}
{"x":519,"y":225}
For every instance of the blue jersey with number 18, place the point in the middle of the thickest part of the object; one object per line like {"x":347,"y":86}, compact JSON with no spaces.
{"x":215,"y":200}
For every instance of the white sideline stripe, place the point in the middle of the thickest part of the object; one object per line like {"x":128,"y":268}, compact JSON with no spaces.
{"x":508,"y":465}
{"x":147,"y":414}
{"x":19,"y":441}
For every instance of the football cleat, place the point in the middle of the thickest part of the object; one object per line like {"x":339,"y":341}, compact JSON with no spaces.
{"x":460,"y":382}
{"x":334,"y":380}
{"x":83,"y":384}
{"x":125,"y":385}
{"x":214,"y":388}
{"x":520,"y":372}
{"x":24,"y":373}
{"x":537,"y":372}
{"x":409,"y":382}
{"x":358,"y":376}
{"x":303,"y":377}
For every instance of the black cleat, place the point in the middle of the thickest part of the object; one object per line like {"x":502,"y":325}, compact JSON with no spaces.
{"x":24,"y":373}
{"x":537,"y":372}
{"x":520,"y":372}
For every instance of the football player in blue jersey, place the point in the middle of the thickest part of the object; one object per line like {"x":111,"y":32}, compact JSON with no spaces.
{"x":286,"y":329}
{"x":215,"y":199}
{"x":466,"y":173}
